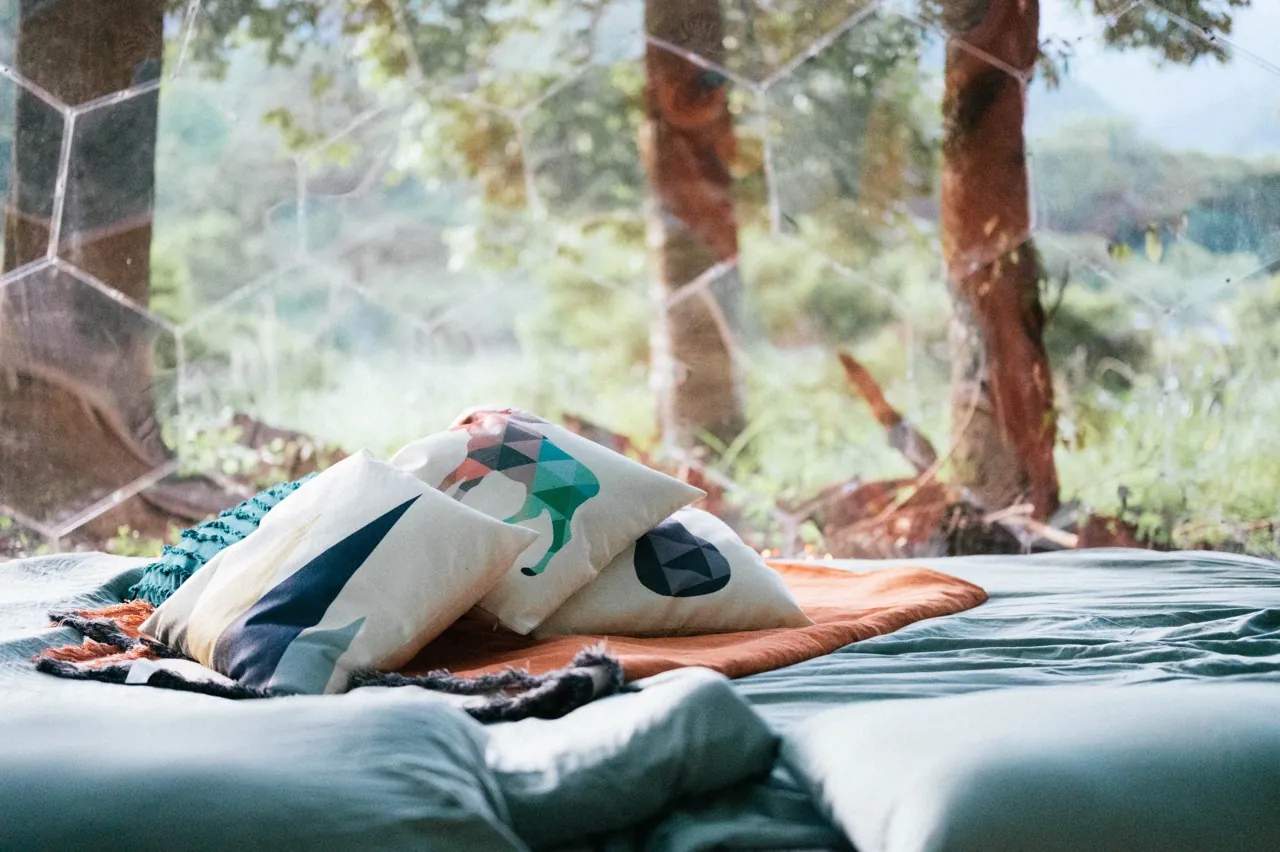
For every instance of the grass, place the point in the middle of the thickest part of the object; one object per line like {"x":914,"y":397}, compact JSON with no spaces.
{"x":1174,"y":424}
{"x":1193,"y":443}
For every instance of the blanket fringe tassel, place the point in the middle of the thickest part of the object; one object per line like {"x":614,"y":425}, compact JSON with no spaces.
{"x":504,"y":696}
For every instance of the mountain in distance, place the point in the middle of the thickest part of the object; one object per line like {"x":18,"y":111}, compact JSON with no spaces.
{"x":1049,"y":110}
{"x":1229,"y":108}
{"x":1244,"y":123}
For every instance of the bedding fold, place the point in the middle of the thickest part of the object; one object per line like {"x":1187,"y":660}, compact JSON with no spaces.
{"x":114,"y":772}
{"x":614,"y":763}
{"x":1163,"y":767}
{"x":384,"y":767}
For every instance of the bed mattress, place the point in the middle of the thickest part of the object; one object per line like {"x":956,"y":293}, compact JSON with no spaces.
{"x":1113,"y":617}
{"x":1091,"y":616}
{"x":1096,"y":617}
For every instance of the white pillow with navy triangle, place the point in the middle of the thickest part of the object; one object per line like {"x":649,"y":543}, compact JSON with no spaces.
{"x":357,"y":570}
{"x":690,"y":574}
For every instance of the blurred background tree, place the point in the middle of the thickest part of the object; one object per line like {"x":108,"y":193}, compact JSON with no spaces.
{"x":82,"y":388}
{"x":478,"y":166}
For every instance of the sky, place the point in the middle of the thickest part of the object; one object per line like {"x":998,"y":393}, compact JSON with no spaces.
{"x":1212,"y":107}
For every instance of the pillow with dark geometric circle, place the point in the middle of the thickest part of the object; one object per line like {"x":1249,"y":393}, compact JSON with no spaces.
{"x":690,"y":574}
{"x":672,"y":561}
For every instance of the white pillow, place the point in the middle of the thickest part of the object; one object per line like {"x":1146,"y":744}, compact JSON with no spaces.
{"x":585,"y":501}
{"x":691,"y":574}
{"x":359,"y":569}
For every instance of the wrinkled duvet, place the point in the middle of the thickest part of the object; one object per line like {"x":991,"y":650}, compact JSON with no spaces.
{"x":104,"y":766}
{"x":682,"y":765}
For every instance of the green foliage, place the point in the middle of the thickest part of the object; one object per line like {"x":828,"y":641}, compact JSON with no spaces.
{"x":220,"y":451}
{"x":583,"y":144}
{"x":16,"y":541}
{"x":1154,"y":29}
{"x":1253,"y":319}
{"x":215,"y":174}
{"x":806,"y":430}
{"x":1101,"y":175}
{"x":128,"y":542}
{"x":855,"y":135}
{"x":1143,"y":27}
{"x":596,"y":299}
{"x":1169,"y":411}
{"x":1194,"y":443}
{"x":796,"y":295}
{"x":1095,"y":335}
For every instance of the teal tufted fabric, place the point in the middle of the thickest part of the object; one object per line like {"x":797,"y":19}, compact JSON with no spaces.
{"x":198,"y":545}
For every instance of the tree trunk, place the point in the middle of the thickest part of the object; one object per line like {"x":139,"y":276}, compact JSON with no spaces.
{"x":1003,"y":426}
{"x":77,"y":416}
{"x":688,"y":144}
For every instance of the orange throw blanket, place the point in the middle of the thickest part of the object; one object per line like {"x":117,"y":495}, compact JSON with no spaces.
{"x":845,"y":607}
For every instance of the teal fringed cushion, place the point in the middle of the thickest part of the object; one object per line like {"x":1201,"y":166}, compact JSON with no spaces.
{"x":198,"y":545}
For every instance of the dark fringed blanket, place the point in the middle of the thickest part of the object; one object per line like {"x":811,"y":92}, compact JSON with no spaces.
{"x":114,"y":650}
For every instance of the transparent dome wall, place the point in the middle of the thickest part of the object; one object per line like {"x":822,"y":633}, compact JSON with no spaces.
{"x":243,"y":236}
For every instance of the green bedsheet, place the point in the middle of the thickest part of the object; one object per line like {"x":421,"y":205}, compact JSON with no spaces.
{"x":1092,"y":617}
{"x":1097,"y":616}
{"x":1082,"y":617}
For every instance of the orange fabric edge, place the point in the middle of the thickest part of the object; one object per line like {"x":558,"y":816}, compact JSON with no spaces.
{"x":845,"y":607}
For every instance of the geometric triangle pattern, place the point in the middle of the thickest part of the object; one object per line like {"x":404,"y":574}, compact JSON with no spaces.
{"x":675,"y":563}
{"x":298,"y":672}
{"x":251,"y":647}
{"x":554,"y":481}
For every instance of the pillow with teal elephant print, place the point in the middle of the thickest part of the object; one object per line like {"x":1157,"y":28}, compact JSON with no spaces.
{"x":691,"y":574}
{"x":359,"y":569}
{"x":586,"y":502}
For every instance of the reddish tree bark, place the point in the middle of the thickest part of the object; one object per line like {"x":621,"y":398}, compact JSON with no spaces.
{"x":77,"y":417}
{"x":903,"y":436}
{"x":687,"y":143}
{"x":1002,"y":409}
